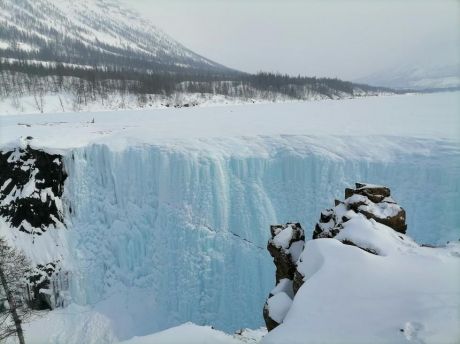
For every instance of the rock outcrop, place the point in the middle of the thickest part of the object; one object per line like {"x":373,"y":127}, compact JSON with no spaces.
{"x":285,"y":246}
{"x":374,"y":202}
{"x":363,"y":281}
{"x":31,"y":186}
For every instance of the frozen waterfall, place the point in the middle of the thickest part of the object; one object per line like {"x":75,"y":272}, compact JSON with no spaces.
{"x":162,"y":235}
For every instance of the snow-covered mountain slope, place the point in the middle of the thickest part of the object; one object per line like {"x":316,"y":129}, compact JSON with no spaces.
{"x":167,"y":212}
{"x":367,"y":282}
{"x":416,"y":77}
{"x":91,"y":33}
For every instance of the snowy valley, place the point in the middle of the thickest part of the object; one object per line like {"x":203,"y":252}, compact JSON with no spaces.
{"x":149,"y":195}
{"x":96,"y":55}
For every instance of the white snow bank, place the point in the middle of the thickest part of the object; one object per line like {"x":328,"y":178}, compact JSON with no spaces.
{"x":351,"y":296}
{"x":187,"y":333}
{"x":371,"y":235}
{"x":284,"y":285}
{"x":76,"y":324}
{"x":71,"y":325}
{"x":278,"y":306}
{"x":428,"y":116}
{"x":50,"y":246}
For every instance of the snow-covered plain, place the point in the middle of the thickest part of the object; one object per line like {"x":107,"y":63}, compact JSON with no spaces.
{"x":171,"y":208}
{"x":433,"y":116}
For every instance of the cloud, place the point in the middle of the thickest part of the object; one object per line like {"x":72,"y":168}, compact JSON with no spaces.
{"x":347,"y":39}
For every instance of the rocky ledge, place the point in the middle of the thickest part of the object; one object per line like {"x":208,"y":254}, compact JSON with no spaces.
{"x":31,"y":187}
{"x":373,"y":202}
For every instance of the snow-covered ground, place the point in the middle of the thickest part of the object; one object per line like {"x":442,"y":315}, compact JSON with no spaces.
{"x":52,"y":102}
{"x":407,"y":293}
{"x":432,"y":116}
{"x":171,"y":208}
{"x":66,"y":102}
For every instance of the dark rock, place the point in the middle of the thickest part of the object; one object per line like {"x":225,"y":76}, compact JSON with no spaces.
{"x":40,"y":279}
{"x":20,"y":167}
{"x":375,"y":193}
{"x":282,"y":257}
{"x":397,"y":222}
{"x":351,"y":243}
{"x":372,"y":197}
{"x":297,"y":282}
{"x":269,"y":322}
{"x":326,"y":215}
{"x":285,"y":254}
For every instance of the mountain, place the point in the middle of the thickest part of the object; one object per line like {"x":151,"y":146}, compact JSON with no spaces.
{"x":91,"y":33}
{"x":417,"y":77}
{"x":88,"y":55}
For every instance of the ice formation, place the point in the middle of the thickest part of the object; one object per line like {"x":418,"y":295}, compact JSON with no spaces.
{"x":166,"y":212}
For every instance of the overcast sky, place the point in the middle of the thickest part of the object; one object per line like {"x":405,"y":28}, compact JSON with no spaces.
{"x":347,"y":39}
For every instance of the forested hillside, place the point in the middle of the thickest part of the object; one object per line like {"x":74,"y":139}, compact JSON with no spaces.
{"x":95,"y":52}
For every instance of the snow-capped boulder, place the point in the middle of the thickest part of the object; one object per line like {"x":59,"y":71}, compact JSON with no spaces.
{"x":285,"y":246}
{"x":362,"y":281}
{"x":373,"y":201}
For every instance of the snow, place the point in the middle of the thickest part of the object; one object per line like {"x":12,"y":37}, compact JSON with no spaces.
{"x":380,"y":210}
{"x":407,"y":116}
{"x":5,"y":184}
{"x":66,"y":102}
{"x":96,"y":24}
{"x":283,"y":238}
{"x":171,"y":208}
{"x":76,"y":324}
{"x":369,"y":234}
{"x":50,"y":246}
{"x":71,"y":325}
{"x":251,"y":336}
{"x":295,"y":250}
{"x":284,"y":285}
{"x":186,"y":333}
{"x":351,"y":296}
{"x":4,"y":45}
{"x":278,"y":306}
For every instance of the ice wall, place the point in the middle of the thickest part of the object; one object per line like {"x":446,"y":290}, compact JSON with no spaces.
{"x":173,"y":233}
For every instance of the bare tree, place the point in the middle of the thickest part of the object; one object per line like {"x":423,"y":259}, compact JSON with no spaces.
{"x":14,"y":267}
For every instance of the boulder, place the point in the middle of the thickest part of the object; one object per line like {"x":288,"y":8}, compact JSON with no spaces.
{"x":372,"y":201}
{"x":285,"y":246}
{"x":287,"y":241}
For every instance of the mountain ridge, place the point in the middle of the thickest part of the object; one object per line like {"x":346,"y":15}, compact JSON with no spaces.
{"x":85,"y":55}
{"x":92,"y":33}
